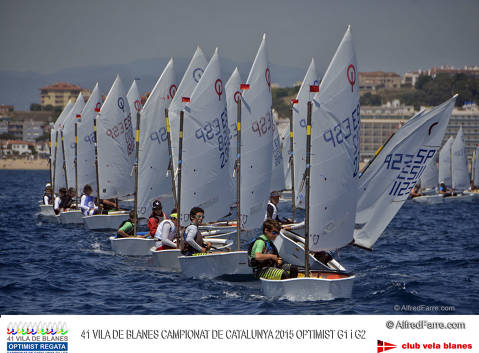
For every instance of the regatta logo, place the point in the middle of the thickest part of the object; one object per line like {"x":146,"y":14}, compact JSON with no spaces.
{"x":41,"y":329}
{"x":385,"y":346}
{"x":351,"y":74}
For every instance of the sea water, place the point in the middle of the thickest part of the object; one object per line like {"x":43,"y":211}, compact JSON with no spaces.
{"x":426,"y":262}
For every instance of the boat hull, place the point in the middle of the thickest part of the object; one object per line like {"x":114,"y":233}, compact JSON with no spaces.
{"x":468,"y":197}
{"x":105,"y":221}
{"x":46,"y":210}
{"x":71,"y":217}
{"x":429,"y":199}
{"x":132,"y":246}
{"x":166,"y":260}
{"x":233,"y":263}
{"x":309,"y":289}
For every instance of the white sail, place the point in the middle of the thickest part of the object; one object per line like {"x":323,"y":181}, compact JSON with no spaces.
{"x":277,"y":169}
{"x":57,"y":145}
{"x":429,"y":179}
{"x":475,"y":167}
{"x":387,"y":182}
{"x":445,"y":163}
{"x":205,"y":170}
{"x":86,"y":142}
{"x":116,"y":144}
{"x":256,"y":141}
{"x":154,"y":181}
{"x":189,"y":81}
{"x":285,"y":152}
{"x":233,"y":94}
{"x":134,"y":101}
{"x":459,"y":165}
{"x":299,"y":131}
{"x":335,"y":151}
{"x":69,"y":137}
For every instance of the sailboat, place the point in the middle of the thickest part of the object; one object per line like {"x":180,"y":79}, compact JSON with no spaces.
{"x":475,"y":170}
{"x":386,"y":182}
{"x":332,"y":162}
{"x":459,"y":170}
{"x":429,"y":183}
{"x":70,"y":144}
{"x":253,"y":160}
{"x":205,"y":163}
{"x":115,"y":155}
{"x":86,"y":141}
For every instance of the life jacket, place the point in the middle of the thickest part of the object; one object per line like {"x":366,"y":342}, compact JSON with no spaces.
{"x":132,"y":231}
{"x":270,"y":249}
{"x":187,"y":249}
{"x":153,"y":222}
{"x":49,"y":197}
{"x":275,"y":212}
{"x":66,"y":201}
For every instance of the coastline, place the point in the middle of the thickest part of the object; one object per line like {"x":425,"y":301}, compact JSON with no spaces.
{"x":24,"y":164}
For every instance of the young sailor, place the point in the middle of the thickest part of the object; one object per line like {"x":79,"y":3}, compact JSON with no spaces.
{"x":109,"y":205}
{"x":272,"y":209}
{"x":444,"y":190}
{"x":48,"y":195}
{"x":264,"y":257}
{"x":166,"y":232}
{"x":157,"y":215}
{"x":192,"y":243}
{"x":87,"y":202}
{"x":58,"y":200}
{"x":127,"y":228}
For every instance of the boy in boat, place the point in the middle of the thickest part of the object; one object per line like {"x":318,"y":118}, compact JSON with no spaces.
{"x":58,"y":200}
{"x":416,"y":191}
{"x":127,"y":229}
{"x":444,"y":190}
{"x":87,"y":202}
{"x":192,"y":243}
{"x":272,"y":211}
{"x":166,"y":232}
{"x":48,"y":195}
{"x":157,"y":215}
{"x":264,"y":258}
{"x":107,"y":205}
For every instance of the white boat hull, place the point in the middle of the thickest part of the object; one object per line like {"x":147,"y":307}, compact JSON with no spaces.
{"x":132,"y":246}
{"x":429,"y":199}
{"x":71,"y":217}
{"x":216,"y":265}
{"x":309,"y":289}
{"x":166,"y":259}
{"x":105,"y":221}
{"x":47,"y":210}
{"x":468,"y":197}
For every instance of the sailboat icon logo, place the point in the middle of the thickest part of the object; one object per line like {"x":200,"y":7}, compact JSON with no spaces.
{"x":385,"y":346}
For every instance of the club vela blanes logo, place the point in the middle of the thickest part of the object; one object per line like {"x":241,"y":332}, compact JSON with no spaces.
{"x":385,"y":346}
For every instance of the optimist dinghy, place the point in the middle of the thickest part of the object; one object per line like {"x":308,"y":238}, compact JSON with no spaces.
{"x":71,"y":217}
{"x":132,"y":246}
{"x":331,"y":196}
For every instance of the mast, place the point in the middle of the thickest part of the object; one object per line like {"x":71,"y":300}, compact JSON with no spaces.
{"x":450,"y":165}
{"x":138,"y":116}
{"x":238,"y":173}
{"x":76,"y":165}
{"x":64,"y":161}
{"x":51,"y":165}
{"x":55,"y":166}
{"x":170,"y":158}
{"x":96,"y":167}
{"x":307,"y":180}
{"x":291,"y":161}
{"x":180,"y":161}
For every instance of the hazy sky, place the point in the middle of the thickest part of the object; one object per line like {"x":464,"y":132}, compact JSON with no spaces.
{"x":393,"y":35}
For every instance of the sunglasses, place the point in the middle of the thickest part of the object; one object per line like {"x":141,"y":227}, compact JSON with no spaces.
{"x":275,"y":232}
{"x":199,"y":216}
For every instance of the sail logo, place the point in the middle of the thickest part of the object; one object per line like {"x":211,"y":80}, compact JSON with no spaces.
{"x":384,"y":346}
{"x":172,"y":91}
{"x":219,"y":88}
{"x":137,"y":105}
{"x":121,"y":104}
{"x":351,"y":75}
{"x":197,"y":73}
{"x":237,"y":96}
{"x":267,"y":75}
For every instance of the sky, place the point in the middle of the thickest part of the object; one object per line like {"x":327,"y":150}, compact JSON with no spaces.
{"x":45,"y":36}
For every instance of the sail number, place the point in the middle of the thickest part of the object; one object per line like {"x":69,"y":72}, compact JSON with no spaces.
{"x":263,"y":125}
{"x":123,"y":128}
{"x":217,"y":131}
{"x":411,"y":167}
{"x":160,"y":135}
{"x":345,"y":130}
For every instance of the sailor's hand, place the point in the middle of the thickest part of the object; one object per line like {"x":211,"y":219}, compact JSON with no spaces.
{"x":204,"y":250}
{"x":279,"y":261}
{"x":208,"y":245}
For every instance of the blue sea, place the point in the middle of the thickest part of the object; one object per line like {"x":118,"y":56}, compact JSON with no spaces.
{"x":428,"y":257}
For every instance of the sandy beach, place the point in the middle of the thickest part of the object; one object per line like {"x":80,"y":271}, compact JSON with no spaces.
{"x":26,"y":164}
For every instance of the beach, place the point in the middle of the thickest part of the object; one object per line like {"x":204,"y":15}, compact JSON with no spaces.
{"x":24,"y":164}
